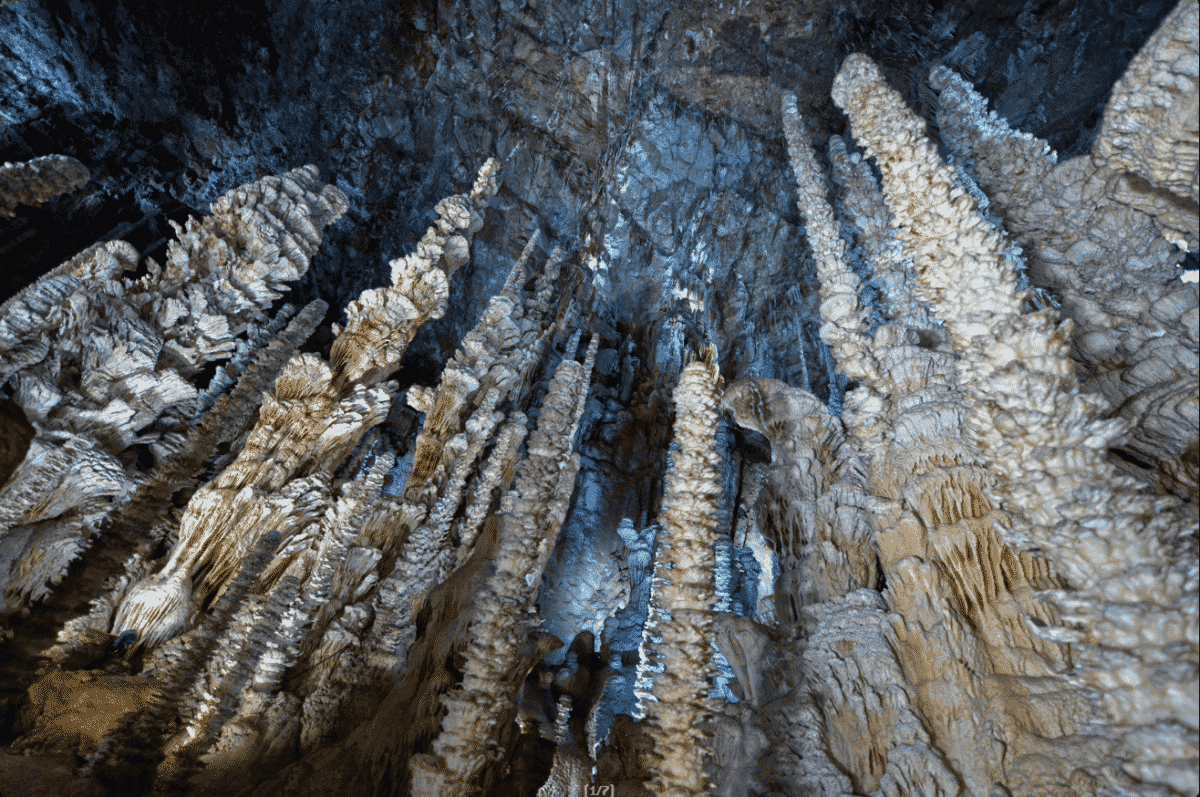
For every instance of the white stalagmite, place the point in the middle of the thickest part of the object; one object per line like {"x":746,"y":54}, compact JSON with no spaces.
{"x":683,"y":594}
{"x":845,"y":331}
{"x":225,"y":420}
{"x":531,"y":521}
{"x":1150,"y":129}
{"x":1104,"y":253}
{"x":101,"y":364}
{"x":494,"y":359}
{"x":225,"y":271}
{"x":1131,"y":582}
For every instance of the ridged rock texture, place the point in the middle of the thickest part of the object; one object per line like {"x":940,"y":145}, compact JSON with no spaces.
{"x":35,"y":181}
{"x":621,"y":398}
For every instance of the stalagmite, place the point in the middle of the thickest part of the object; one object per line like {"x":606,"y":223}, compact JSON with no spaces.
{"x":134,"y":747}
{"x":845,"y":328}
{"x":1095,"y":244}
{"x":225,"y":271}
{"x":303,"y":432}
{"x":381,"y":322}
{"x":99,"y":363}
{"x":224,"y":422}
{"x":461,"y":421}
{"x":1150,"y":129}
{"x":941,"y":554}
{"x":530,"y":525}
{"x":1044,"y":441}
{"x":679,"y":663}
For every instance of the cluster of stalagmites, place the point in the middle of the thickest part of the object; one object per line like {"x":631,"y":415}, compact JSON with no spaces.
{"x":1038,"y":628}
{"x":99,"y":362}
{"x":974,"y":595}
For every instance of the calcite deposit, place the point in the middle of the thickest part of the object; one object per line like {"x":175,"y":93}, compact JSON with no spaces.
{"x":736,"y":407}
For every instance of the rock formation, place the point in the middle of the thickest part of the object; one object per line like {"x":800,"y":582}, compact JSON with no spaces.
{"x":520,"y":519}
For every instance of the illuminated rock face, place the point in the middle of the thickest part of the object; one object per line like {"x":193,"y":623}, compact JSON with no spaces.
{"x":626,"y":468}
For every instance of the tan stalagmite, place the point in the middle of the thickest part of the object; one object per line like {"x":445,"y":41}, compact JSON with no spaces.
{"x":341,"y":576}
{"x":305,"y":430}
{"x":531,"y":521}
{"x":1105,"y":256}
{"x":496,"y":474}
{"x":931,"y":685}
{"x":920,"y":486}
{"x":486,"y":361}
{"x":845,"y":329}
{"x":1134,"y":612}
{"x":137,"y":741}
{"x":862,"y":201}
{"x":683,"y":594}
{"x":225,"y":420}
{"x":33,"y":182}
{"x":868,"y":410}
{"x":382,"y":321}
{"x":461,"y":421}
{"x":101,"y":363}
{"x":280,"y":479}
{"x":1150,"y":129}
{"x":571,"y":771}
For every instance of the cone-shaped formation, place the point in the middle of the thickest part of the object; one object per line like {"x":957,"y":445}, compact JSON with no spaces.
{"x":1091,"y":242}
{"x":677,"y":705}
{"x":531,"y":520}
{"x":381,"y":322}
{"x":1150,"y":128}
{"x":1045,"y":443}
